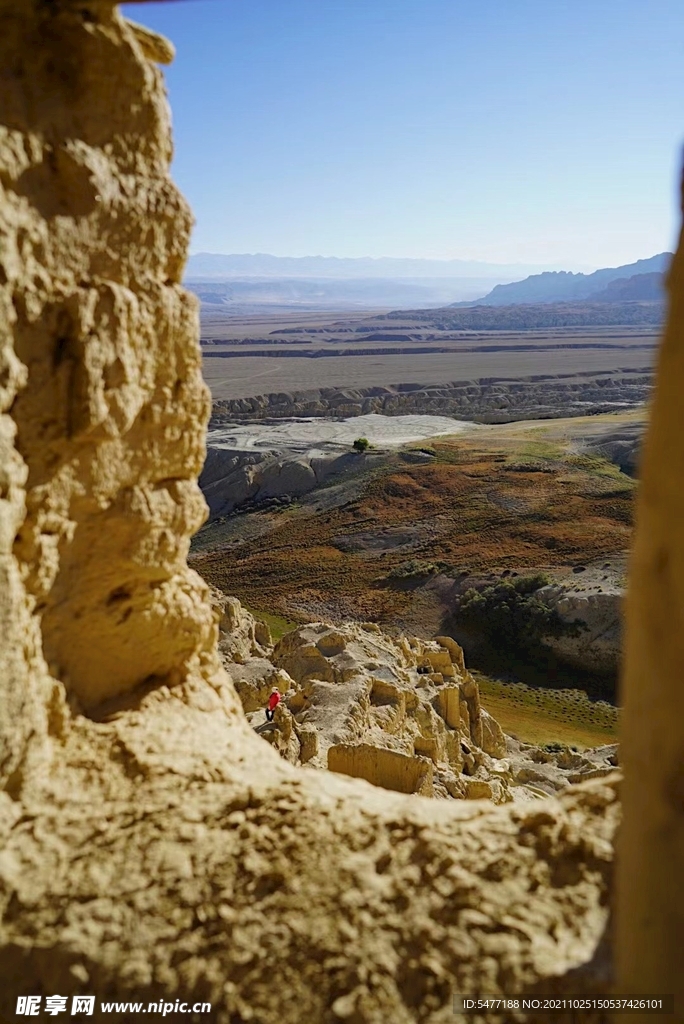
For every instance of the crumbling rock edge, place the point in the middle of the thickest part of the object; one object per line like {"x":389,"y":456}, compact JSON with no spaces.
{"x":215,"y":871}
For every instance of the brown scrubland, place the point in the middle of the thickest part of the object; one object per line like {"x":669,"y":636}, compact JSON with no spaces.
{"x":152,"y":846}
{"x":398,"y":544}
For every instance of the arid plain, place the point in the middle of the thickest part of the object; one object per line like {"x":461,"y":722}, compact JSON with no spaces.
{"x":286,"y":351}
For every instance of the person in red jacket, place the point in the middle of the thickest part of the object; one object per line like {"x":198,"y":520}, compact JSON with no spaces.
{"x":273,"y":702}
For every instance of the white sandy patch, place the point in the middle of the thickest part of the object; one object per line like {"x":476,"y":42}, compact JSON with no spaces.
{"x":311,"y":435}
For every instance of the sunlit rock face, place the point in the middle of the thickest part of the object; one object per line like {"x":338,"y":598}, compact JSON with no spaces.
{"x":104,"y":382}
{"x":403,"y":713}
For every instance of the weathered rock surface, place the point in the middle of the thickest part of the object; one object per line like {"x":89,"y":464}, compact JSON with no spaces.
{"x":404,"y":714}
{"x":598,"y":613}
{"x":358,"y":687}
{"x":231,"y":479}
{"x":241,"y":636}
{"x":622,"y":447}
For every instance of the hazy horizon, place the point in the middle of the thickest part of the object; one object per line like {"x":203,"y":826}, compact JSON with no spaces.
{"x":476,"y":266}
{"x":534,"y":133}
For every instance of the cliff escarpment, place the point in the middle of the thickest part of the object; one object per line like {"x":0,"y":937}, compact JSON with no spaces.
{"x":492,"y":400}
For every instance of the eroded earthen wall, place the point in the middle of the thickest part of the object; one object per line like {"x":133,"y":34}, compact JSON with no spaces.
{"x":389,"y":769}
{"x":101,"y":369}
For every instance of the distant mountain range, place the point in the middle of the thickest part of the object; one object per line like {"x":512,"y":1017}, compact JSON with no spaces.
{"x":640,"y":281}
{"x":243,"y":284}
{"x":205,"y":265}
{"x":639,"y":288}
{"x":331,"y":293}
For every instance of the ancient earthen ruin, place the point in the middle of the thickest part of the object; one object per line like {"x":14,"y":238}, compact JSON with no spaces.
{"x":151,"y":846}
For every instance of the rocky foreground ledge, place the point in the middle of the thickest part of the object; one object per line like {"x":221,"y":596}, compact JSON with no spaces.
{"x":170,"y":853}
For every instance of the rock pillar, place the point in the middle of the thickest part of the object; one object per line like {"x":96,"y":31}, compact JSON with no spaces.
{"x":650,"y":923}
{"x":102,"y":400}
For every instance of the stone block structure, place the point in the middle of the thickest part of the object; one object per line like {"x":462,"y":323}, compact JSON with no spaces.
{"x":390,"y":769}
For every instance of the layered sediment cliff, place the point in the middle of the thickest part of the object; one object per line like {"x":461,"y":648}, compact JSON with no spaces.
{"x":491,"y":400}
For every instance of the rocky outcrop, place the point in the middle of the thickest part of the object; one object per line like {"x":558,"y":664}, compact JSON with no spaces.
{"x":230,"y":479}
{"x":106,"y":395}
{"x":238,"y":479}
{"x":489,"y":400}
{"x":404,"y":715}
{"x":152,"y":846}
{"x":242,"y":638}
{"x":598,"y":613}
{"x":359,"y":688}
{"x":622,"y":447}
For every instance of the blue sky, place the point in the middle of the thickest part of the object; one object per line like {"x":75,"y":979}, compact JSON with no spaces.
{"x":532,"y":131}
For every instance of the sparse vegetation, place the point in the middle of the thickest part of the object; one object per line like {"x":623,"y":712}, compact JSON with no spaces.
{"x":361,"y":444}
{"x":278,"y":625}
{"x":512,"y":614}
{"x":466,"y":508}
{"x":415,"y":569}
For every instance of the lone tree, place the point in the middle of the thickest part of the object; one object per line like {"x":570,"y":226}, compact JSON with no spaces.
{"x":361,"y":444}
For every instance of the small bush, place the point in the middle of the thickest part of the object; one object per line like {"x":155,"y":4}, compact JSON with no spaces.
{"x":414,"y":569}
{"x":361,"y":444}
